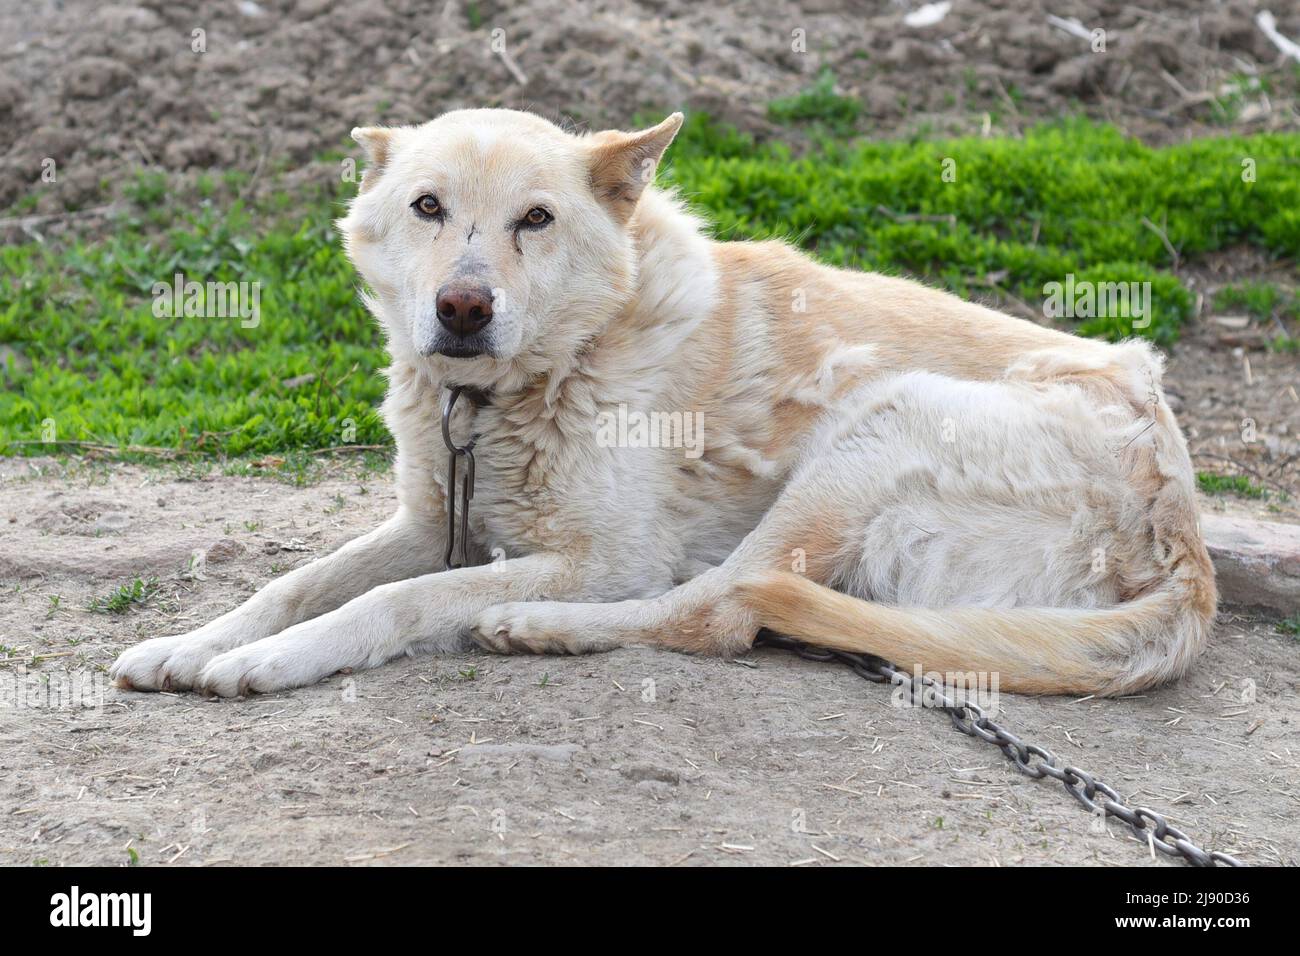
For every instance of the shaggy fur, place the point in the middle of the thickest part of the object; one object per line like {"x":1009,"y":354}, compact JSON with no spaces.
{"x":882,"y":467}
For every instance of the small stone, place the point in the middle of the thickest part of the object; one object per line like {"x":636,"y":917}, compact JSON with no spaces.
{"x":643,"y":771}
{"x":113,"y":521}
{"x":223,"y":549}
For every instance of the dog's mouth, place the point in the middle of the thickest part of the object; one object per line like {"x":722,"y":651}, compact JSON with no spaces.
{"x":458,"y":350}
{"x":470,"y":346}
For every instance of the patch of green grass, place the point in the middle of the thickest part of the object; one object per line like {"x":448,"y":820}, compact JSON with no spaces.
{"x":1226,"y":108}
{"x":819,"y":103}
{"x":1238,"y":485}
{"x":106,"y":369}
{"x":1259,"y":299}
{"x":149,"y":189}
{"x":1069,"y":198}
{"x":1264,"y":302}
{"x":1290,"y":625}
{"x":972,"y":215}
{"x":125,"y":597}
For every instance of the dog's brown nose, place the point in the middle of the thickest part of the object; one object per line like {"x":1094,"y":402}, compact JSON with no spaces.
{"x":464,"y":310}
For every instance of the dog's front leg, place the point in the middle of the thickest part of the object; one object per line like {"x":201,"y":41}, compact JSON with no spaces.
{"x":432,"y":612}
{"x":404,"y":546}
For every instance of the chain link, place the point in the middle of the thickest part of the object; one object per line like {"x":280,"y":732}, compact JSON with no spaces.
{"x":1034,"y":761}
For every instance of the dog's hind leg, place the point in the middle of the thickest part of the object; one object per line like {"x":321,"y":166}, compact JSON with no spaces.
{"x":404,"y":546}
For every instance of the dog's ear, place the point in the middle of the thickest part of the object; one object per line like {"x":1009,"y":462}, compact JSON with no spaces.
{"x":377,"y":141}
{"x":623,"y":164}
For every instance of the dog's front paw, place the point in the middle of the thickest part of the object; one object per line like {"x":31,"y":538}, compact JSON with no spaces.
{"x":165,"y":663}
{"x":247,"y":670}
{"x":242,"y":671}
{"x":533,"y":628}
{"x":297,"y":657}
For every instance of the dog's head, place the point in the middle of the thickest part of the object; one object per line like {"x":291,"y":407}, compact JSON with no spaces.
{"x":494,"y":241}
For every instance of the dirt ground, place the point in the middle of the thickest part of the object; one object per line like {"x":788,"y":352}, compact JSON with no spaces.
{"x":104,"y":89}
{"x":636,"y":756}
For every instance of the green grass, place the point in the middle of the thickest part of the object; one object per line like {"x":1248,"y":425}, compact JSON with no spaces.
{"x":1259,"y":299}
{"x":1068,"y":198}
{"x":98,"y":366}
{"x":1238,"y":485}
{"x":105,"y":369}
{"x":125,"y":597}
{"x":821,"y":104}
{"x":1264,"y":303}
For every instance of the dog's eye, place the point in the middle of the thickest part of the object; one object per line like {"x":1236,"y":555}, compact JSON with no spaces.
{"x":537,"y":217}
{"x":428,"y":206}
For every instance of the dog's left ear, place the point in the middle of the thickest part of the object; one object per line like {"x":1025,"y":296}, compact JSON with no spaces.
{"x":623,"y":164}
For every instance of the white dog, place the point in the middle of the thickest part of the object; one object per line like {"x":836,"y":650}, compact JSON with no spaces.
{"x":873,"y":465}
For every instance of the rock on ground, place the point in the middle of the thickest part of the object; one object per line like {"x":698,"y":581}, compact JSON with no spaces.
{"x":1257,"y":563}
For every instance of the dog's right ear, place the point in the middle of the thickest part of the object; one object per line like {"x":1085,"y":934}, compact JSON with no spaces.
{"x":377,"y":141}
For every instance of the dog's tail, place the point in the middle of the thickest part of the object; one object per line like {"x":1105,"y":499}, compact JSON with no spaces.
{"x":1109,"y":650}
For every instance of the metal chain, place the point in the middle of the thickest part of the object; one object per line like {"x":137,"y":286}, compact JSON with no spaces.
{"x":1034,"y":761}
{"x":454,"y":452}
